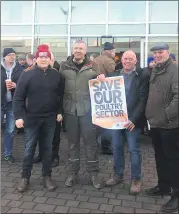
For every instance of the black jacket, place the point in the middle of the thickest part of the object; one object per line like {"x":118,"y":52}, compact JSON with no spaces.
{"x":139,"y":93}
{"x":14,"y":77}
{"x":56,"y":65}
{"x":43,"y":92}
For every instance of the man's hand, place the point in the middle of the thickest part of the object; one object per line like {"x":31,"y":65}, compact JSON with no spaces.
{"x":59,"y":118}
{"x":20,"y":123}
{"x":13,"y":85}
{"x":101,"y":77}
{"x":129,"y":125}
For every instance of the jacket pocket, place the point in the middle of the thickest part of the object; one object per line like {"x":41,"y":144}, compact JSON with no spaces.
{"x":158,"y":117}
{"x":87,"y":103}
{"x":171,"y":114}
{"x":67,"y":102}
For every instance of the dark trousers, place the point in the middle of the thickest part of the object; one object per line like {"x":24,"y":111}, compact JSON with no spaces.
{"x":81,"y":126}
{"x":35,"y":127}
{"x":166,"y":147}
{"x":55,"y":142}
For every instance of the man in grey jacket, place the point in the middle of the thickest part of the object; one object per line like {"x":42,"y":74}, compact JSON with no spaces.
{"x":162,"y":114}
{"x":77,"y":71}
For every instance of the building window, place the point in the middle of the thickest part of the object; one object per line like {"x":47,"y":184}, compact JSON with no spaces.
{"x":16,"y":12}
{"x":126,"y":29}
{"x":88,"y":29}
{"x":163,"y":29}
{"x":19,"y":30}
{"x":51,"y":12}
{"x":88,"y":11}
{"x":51,"y":29}
{"x":127,"y":11}
{"x":58,"y":46}
{"x":19,"y":44}
{"x":163,"y":11}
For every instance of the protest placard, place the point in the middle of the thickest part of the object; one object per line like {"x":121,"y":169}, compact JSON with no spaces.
{"x":108,"y":102}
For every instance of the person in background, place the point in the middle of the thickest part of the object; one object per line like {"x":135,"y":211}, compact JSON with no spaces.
{"x":30,"y":60}
{"x":93,"y":56}
{"x":56,"y":139}
{"x":136,"y":88}
{"x":105,"y":63}
{"x":43,"y":87}
{"x":10,"y":73}
{"x":151,"y":63}
{"x":22,"y":61}
{"x":78,"y":70}
{"x":118,"y":63}
{"x":162,"y":114}
{"x":173,"y":57}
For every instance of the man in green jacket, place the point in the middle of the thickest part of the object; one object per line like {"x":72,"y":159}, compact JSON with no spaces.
{"x":77,"y":71}
{"x":162,"y":114}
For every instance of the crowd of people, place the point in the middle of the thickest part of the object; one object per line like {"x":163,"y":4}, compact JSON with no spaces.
{"x":38,"y":93}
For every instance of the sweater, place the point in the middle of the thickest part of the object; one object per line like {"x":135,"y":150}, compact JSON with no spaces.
{"x":44,"y":91}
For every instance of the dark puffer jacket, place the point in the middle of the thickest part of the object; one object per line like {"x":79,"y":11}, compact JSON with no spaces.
{"x":162,"y":105}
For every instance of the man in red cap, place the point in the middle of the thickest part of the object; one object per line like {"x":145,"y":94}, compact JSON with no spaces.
{"x":43,"y":87}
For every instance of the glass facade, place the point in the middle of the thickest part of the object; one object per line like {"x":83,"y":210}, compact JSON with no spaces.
{"x":135,"y":25}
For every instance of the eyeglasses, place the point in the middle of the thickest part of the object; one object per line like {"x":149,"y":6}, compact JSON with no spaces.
{"x":11,"y":55}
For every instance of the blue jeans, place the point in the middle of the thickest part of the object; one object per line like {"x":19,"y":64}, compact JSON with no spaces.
{"x":6,"y":109}
{"x":34,"y":128}
{"x":118,"y":140}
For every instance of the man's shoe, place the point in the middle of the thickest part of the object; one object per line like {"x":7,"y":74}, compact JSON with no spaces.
{"x":23,"y":185}
{"x":135,"y":187}
{"x":98,"y":184}
{"x":114,"y":181}
{"x":156,"y":191}
{"x":171,"y":206}
{"x":37,"y":159}
{"x":10,"y":159}
{"x":48,"y":183}
{"x":71,"y":180}
{"x":55,"y":162}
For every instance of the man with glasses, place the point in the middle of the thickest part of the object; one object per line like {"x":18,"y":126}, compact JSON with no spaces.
{"x":43,"y":87}
{"x":10,"y":73}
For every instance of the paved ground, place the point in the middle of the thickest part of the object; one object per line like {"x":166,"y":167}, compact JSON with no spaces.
{"x":82,"y":198}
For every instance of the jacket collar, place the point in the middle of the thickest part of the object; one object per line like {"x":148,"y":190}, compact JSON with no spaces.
{"x":70,"y":64}
{"x":161,"y":68}
{"x":105,"y":53}
{"x":7,"y":69}
{"x":37,"y":67}
{"x":136,"y":71}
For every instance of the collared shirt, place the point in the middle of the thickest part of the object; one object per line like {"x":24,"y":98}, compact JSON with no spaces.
{"x":128,"y":78}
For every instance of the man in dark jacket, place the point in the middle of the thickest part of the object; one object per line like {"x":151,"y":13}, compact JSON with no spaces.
{"x":22,"y":61}
{"x":56,"y":138}
{"x":10,"y":73}
{"x":162,"y":114}
{"x":43,"y":88}
{"x":136,"y":87}
{"x":77,"y":71}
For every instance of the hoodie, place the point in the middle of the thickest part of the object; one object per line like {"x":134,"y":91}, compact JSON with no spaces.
{"x":14,"y":74}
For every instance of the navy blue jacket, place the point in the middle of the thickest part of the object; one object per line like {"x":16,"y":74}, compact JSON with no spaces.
{"x":44,"y":91}
{"x":138,"y":96}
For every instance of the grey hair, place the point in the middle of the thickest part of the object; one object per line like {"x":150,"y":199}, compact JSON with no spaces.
{"x":79,"y":42}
